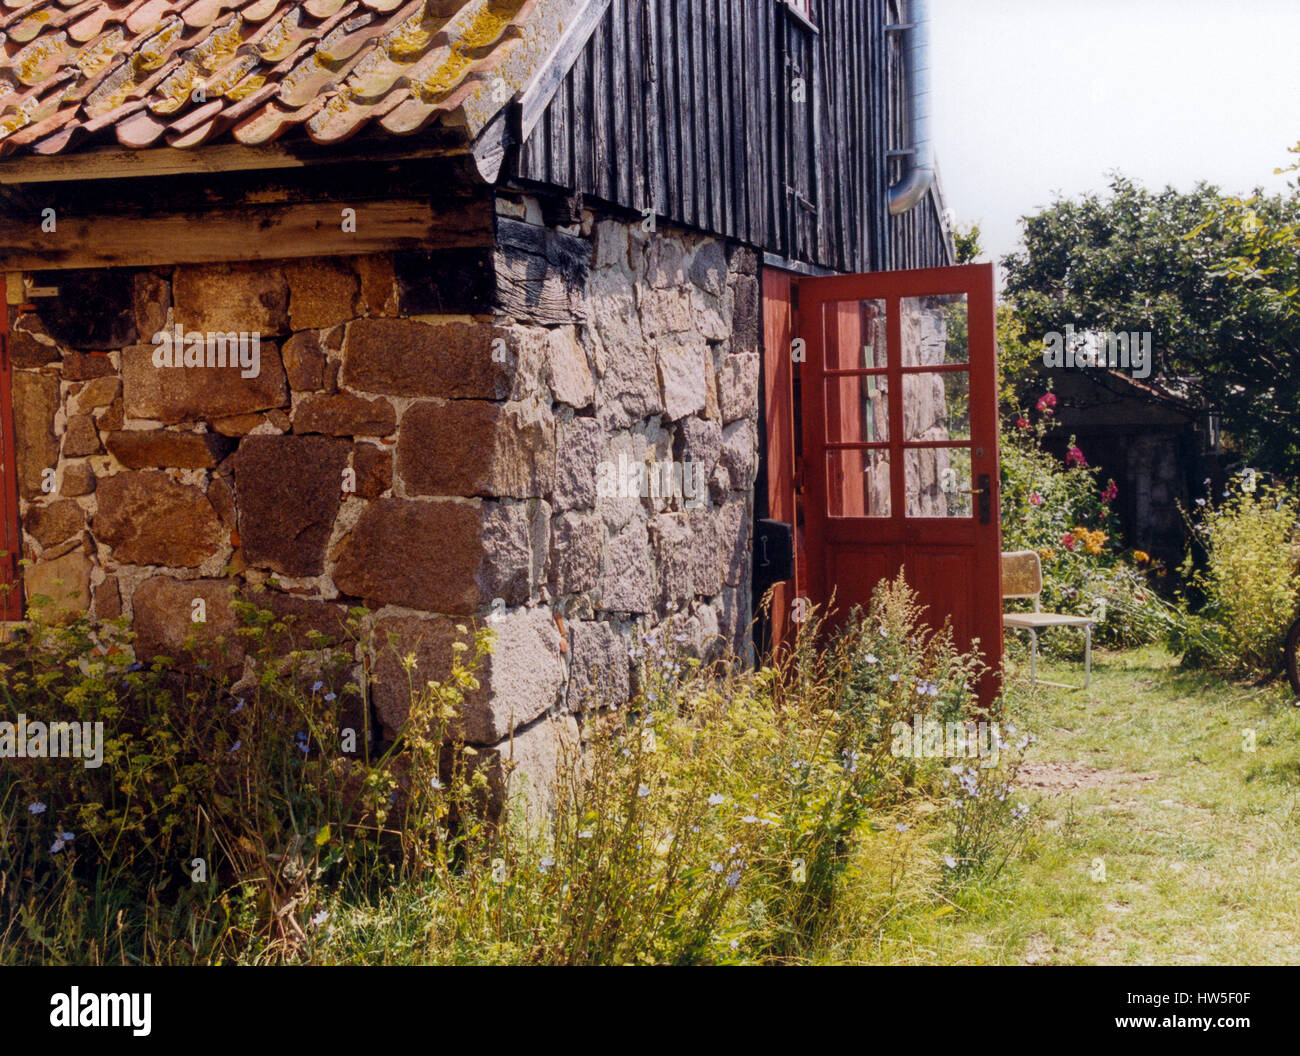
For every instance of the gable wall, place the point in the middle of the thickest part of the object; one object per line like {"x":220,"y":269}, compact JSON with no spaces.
{"x":690,"y":110}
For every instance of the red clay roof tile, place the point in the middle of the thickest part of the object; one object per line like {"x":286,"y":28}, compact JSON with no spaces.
{"x":185,"y":72}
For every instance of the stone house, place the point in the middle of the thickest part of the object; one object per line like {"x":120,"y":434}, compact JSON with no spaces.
{"x":454,"y":309}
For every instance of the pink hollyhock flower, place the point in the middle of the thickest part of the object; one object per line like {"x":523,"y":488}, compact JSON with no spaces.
{"x":1022,"y":423}
{"x":1074,"y":457}
{"x":1035,"y":499}
{"x":1067,"y":540}
{"x":1046,"y":402}
{"x":1108,"y":495}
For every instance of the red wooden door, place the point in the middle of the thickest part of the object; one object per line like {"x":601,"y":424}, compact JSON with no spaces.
{"x":11,"y":602}
{"x":900,"y":444}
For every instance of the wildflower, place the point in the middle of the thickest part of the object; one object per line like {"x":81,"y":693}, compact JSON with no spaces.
{"x":900,"y":827}
{"x":1110,"y":492}
{"x":58,"y":845}
{"x":1074,"y":457}
{"x":36,"y":808}
{"x":584,"y":834}
{"x":1019,"y":812}
{"x":1045,"y":403}
{"x":950,"y":861}
{"x":642,"y":791}
{"x":135,"y":667}
{"x":234,"y":748}
{"x":331,"y":696}
{"x":870,"y":659}
{"x":1141,"y":557}
{"x":750,"y":819}
{"x":1035,"y":499}
{"x":1068,"y":540}
{"x":733,"y":944}
{"x":717,"y":799}
{"x":317,"y":687}
{"x":304,"y":744}
{"x":733,"y":879}
{"x":850,"y":761}
{"x":319,"y":919}
{"x":239,"y":706}
{"x":894,"y":678}
{"x":1022,"y":423}
{"x":435,"y":784}
{"x":715,"y":867}
{"x":546,"y":863}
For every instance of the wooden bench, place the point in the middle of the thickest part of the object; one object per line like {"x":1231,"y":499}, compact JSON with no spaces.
{"x":1022,"y":577}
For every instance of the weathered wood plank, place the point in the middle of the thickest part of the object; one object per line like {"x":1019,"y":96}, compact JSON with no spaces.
{"x":120,"y":163}
{"x":622,"y":125}
{"x":252,"y":232}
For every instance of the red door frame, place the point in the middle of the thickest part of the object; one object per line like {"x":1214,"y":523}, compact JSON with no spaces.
{"x":11,"y":544}
{"x":956,"y":562}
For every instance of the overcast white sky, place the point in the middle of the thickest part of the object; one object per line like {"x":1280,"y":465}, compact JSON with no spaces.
{"x":1038,"y":96}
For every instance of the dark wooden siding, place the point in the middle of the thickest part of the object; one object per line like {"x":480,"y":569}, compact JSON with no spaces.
{"x":685,"y":106}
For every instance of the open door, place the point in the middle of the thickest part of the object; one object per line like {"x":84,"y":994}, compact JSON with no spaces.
{"x":900,"y":445}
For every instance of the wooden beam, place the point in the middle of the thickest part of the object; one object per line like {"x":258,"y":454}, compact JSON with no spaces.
{"x":252,"y":232}
{"x":117,"y":163}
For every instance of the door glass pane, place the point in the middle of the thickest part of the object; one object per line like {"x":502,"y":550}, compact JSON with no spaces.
{"x":857,"y":483}
{"x":934,"y":330}
{"x":938,"y":482}
{"x":936,"y":406}
{"x":857,"y":408}
{"x":854,"y":335}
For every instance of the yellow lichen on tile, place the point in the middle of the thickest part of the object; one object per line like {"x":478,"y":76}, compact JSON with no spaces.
{"x":246,"y":87}
{"x":176,"y":90}
{"x":443,"y":79}
{"x":220,"y":44}
{"x":157,"y":48}
{"x":40,"y":58}
{"x":94,"y":58}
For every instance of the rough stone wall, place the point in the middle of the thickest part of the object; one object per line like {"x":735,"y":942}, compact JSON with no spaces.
{"x":434,"y":468}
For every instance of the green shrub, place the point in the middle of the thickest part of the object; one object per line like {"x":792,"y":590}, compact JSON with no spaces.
{"x":1249,"y":579}
{"x":217,"y":807}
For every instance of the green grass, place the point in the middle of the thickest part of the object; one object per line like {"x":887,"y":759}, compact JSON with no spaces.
{"x":1197,"y":836}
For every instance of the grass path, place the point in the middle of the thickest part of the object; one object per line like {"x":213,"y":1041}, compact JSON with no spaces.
{"x":1159,"y":838}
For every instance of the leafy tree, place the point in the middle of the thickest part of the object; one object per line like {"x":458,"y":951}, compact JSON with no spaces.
{"x":967,"y":242}
{"x":1213,"y":278}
